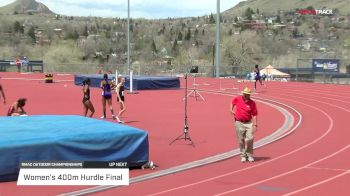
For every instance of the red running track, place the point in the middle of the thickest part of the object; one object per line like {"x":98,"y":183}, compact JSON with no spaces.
{"x":314,"y":159}
{"x":161,"y":113}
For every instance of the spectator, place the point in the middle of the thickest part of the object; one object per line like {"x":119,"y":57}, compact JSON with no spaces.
{"x":18,"y":64}
{"x":24,"y":62}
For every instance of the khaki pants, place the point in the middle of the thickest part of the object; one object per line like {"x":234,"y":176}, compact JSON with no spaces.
{"x":245,"y":137}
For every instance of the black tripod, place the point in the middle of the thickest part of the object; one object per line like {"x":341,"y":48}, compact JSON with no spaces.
{"x":185,"y":135}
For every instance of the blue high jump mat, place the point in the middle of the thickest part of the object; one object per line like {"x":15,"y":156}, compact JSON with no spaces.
{"x":139,"y":82}
{"x":73,"y":138}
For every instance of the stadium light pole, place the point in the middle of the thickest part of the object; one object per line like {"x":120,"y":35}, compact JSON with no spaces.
{"x":217,"y":38}
{"x":129,"y":68}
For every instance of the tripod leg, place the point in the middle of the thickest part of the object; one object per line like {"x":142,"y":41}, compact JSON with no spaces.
{"x":199,"y":95}
{"x":185,"y":136}
{"x":189,"y":94}
{"x":178,"y":138}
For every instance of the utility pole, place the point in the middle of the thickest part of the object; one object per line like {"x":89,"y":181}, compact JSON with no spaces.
{"x":218,"y":38}
{"x":129,"y":68}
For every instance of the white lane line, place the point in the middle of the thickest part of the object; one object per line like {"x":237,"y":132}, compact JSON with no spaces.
{"x":330,"y":169}
{"x":285,"y":173}
{"x":319,"y":183}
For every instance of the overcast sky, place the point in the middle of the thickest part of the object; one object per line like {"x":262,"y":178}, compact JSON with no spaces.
{"x":150,"y":9}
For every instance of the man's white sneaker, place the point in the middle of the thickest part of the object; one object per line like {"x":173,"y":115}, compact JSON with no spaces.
{"x":250,"y":159}
{"x":102,"y":117}
{"x":243,"y":159}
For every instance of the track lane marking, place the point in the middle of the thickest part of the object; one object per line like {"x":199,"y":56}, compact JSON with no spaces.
{"x":346,"y":172}
{"x":330,"y":169}
{"x":286,"y":173}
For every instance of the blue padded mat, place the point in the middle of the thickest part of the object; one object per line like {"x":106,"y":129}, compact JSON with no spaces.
{"x":139,"y":82}
{"x":67,"y":138}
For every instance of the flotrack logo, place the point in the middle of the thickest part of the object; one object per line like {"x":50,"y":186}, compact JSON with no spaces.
{"x":326,"y":12}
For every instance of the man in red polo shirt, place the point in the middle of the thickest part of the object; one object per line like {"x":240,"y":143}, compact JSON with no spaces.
{"x":245,"y":113}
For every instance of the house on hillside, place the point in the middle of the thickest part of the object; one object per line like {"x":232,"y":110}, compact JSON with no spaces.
{"x":306,"y":46}
{"x":271,"y":20}
{"x":253,"y":24}
{"x":168,"y":60}
{"x":58,"y":32}
{"x":179,"y":42}
{"x":93,"y":36}
{"x":322,"y":47}
{"x":279,"y":26}
{"x":119,"y":34}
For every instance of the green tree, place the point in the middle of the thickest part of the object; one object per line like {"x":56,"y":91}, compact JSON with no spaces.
{"x":196,"y":33}
{"x":183,"y":26}
{"x":174,"y":47}
{"x":31,"y":33}
{"x":108,"y":34}
{"x":75,"y":35}
{"x":211,"y":19}
{"x":316,"y":27}
{"x":188,"y":34}
{"x":97,"y":26}
{"x":18,"y":28}
{"x":278,"y":19}
{"x":179,"y":36}
{"x":163,"y":29}
{"x":310,"y":7}
{"x":72,"y":35}
{"x":154,"y":47}
{"x":248,"y":13}
{"x":86,"y":31}
{"x":295,"y":32}
{"x":171,"y":31}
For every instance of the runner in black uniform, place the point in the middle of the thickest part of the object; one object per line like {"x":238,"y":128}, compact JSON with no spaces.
{"x":121,"y":99}
{"x":107,"y":86}
{"x":86,"y":98}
